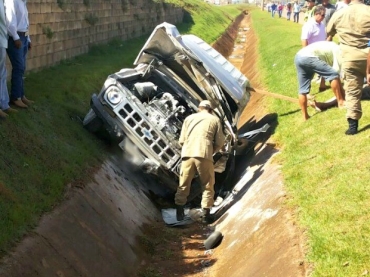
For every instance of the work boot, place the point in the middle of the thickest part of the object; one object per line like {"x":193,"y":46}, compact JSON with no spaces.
{"x":352,"y":126}
{"x":180,"y":213}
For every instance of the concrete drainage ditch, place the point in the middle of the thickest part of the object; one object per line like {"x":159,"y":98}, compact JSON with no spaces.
{"x":94,"y":232}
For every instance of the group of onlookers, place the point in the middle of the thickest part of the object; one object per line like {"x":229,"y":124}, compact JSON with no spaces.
{"x":350,"y":60}
{"x":278,"y":7}
{"x":330,"y":61}
{"x":15,"y":42}
{"x":273,"y":8}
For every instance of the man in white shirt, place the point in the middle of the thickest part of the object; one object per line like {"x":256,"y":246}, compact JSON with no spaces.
{"x":314,"y":30}
{"x":296,"y":11}
{"x":18,"y":45}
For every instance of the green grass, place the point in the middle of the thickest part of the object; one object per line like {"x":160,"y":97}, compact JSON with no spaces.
{"x":326,"y":173}
{"x":45,"y":147}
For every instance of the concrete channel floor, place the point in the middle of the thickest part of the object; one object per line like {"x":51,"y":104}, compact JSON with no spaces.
{"x":94,"y":231}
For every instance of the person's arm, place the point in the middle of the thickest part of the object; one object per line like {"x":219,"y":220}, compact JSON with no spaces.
{"x":11,"y":19}
{"x":305,"y":35}
{"x":331,"y":27}
{"x":183,"y":133}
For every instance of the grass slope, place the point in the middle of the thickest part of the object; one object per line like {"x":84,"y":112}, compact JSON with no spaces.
{"x":45,"y":147}
{"x":326,"y":173}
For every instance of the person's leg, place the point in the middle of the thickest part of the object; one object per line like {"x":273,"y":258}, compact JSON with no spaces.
{"x":304,"y":75}
{"x":320,"y":106}
{"x":4,"y":95}
{"x":322,"y":86}
{"x":16,"y":57}
{"x":187,"y":173}
{"x":328,"y":73}
{"x":336,"y":86}
{"x":354,"y":74}
{"x":25,"y":51}
{"x":207,"y":180}
{"x":302,"y":98}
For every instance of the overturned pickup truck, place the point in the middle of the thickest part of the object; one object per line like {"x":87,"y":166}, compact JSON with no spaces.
{"x":144,"y":107}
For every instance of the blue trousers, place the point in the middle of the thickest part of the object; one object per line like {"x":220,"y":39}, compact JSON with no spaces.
{"x":17,"y":58}
{"x":296,"y":17}
{"x":4,"y":95}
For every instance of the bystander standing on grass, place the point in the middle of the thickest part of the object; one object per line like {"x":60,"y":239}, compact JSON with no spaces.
{"x":288,"y":10}
{"x":354,"y":34}
{"x":296,"y":11}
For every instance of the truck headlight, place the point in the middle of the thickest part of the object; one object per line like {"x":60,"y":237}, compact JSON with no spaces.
{"x":114,"y":96}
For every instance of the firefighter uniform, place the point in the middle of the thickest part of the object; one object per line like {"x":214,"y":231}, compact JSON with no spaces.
{"x":352,"y":25}
{"x":201,"y":136}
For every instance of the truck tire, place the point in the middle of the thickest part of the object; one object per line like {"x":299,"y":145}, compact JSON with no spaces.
{"x":213,"y":240}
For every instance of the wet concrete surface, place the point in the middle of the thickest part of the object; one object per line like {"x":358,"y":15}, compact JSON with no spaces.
{"x":94,"y":232}
{"x":260,"y":234}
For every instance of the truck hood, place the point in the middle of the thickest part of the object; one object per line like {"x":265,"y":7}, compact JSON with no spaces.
{"x":212,"y":73}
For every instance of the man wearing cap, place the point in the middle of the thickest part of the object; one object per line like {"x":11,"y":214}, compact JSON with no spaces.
{"x":201,"y":136}
{"x":352,"y":25}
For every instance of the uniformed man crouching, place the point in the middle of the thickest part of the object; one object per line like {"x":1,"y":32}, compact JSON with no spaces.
{"x":201,"y":137}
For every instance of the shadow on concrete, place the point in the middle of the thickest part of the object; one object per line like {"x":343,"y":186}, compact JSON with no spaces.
{"x":256,"y":155}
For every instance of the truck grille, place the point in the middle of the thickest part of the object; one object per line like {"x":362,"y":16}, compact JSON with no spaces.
{"x":142,"y":128}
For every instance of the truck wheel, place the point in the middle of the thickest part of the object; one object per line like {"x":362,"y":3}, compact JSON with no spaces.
{"x":213,"y":240}
{"x":91,"y":122}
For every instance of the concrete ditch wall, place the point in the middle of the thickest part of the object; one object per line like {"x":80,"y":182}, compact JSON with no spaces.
{"x":92,"y":234}
{"x":63,"y":29}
